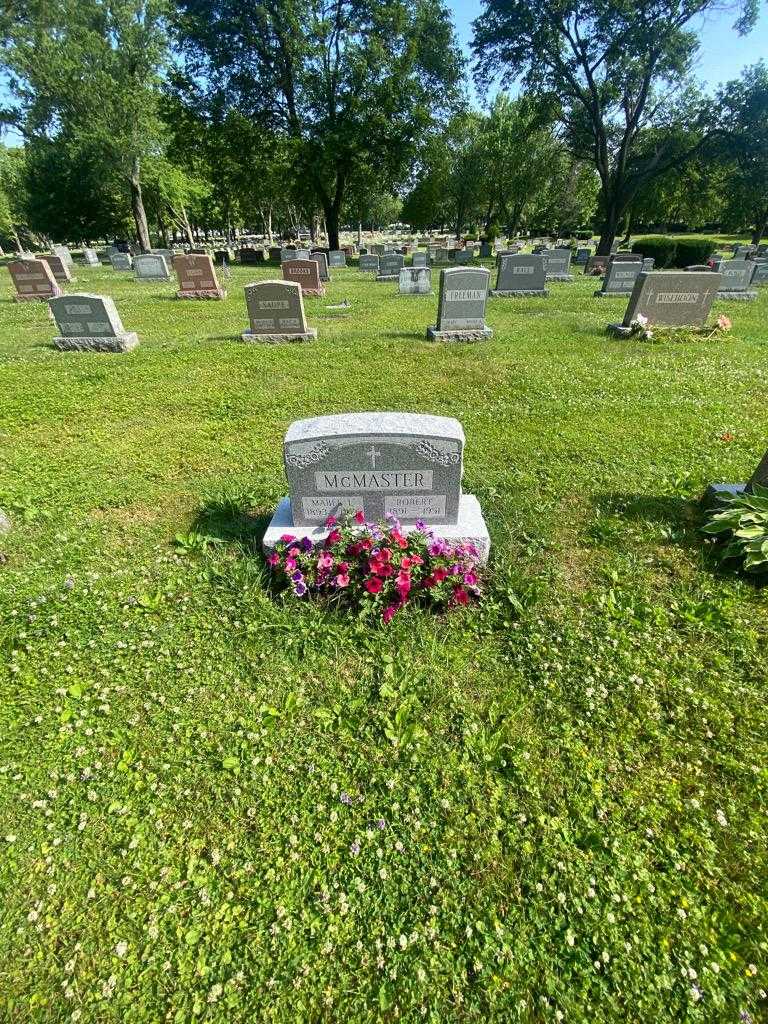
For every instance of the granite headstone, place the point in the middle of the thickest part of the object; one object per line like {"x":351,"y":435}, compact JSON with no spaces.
{"x":33,"y":280}
{"x":461,"y":305}
{"x":197,"y":277}
{"x":90,"y":323}
{"x":521,"y":275}
{"x":276,"y":313}
{"x":306,"y":273}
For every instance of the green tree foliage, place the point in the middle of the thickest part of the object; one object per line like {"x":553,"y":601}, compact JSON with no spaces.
{"x":743,"y":116}
{"x":616,"y":71}
{"x":13,"y":215}
{"x":85,"y":74}
{"x":354,"y":84}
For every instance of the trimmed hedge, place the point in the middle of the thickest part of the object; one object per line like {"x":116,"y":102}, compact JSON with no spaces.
{"x":675,"y":252}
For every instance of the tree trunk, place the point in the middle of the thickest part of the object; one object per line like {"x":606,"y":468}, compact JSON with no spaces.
{"x":608,"y":230}
{"x":17,"y":240}
{"x":760,"y":225}
{"x":332,"y":225}
{"x":185,"y":225}
{"x":359,"y":234}
{"x":137,"y":207}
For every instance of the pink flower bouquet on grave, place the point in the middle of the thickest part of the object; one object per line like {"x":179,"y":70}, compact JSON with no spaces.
{"x":378,"y":567}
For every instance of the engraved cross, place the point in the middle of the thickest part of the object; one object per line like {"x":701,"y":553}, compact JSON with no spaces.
{"x":374,"y":455}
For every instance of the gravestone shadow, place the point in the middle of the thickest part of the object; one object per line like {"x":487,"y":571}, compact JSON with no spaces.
{"x":230,"y":521}
{"x":680,"y":516}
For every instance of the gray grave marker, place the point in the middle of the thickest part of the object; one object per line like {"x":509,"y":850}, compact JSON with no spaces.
{"x":91,"y":257}
{"x":557,"y":263}
{"x":390,"y":265}
{"x":521,"y":275}
{"x":337,"y":258}
{"x":461,"y":305}
{"x":419,"y":259}
{"x":620,"y":278}
{"x":150,"y":267}
{"x":368,"y":262}
{"x":670,"y":298}
{"x":406,"y":465}
{"x":276,"y":313}
{"x":121,"y":261}
{"x":415,"y":281}
{"x":322,"y":262}
{"x":62,"y":251}
{"x":90,"y":323}
{"x":736,"y":276}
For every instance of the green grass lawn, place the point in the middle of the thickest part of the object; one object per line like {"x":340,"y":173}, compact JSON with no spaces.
{"x":559,"y":798}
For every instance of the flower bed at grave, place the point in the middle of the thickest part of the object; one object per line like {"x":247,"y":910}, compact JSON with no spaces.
{"x":641,"y":328}
{"x":379,"y":568}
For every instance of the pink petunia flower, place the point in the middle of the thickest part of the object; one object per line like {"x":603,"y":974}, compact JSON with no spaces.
{"x":389,"y":613}
{"x":373,"y":585}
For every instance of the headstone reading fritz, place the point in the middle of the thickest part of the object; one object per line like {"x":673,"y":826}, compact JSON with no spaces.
{"x":461,"y":305}
{"x":521,"y":276}
{"x":197,"y":277}
{"x":670,"y":298}
{"x":406,"y":465}
{"x":33,"y":280}
{"x":306,"y":273}
{"x":276,"y":313}
{"x":90,"y":323}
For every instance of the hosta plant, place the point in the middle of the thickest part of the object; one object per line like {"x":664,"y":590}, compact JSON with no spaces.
{"x":741,"y":526}
{"x":378,"y":567}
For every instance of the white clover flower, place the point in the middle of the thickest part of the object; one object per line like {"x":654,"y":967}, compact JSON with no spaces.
{"x":722,"y":821}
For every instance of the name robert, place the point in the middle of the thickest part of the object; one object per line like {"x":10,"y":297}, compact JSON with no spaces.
{"x":374,"y":480}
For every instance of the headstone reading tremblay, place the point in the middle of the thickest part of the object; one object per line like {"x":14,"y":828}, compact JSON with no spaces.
{"x":306,"y":273}
{"x":736,"y":276}
{"x":521,"y":275}
{"x":390,"y":265}
{"x":33,"y":280}
{"x":406,"y":465}
{"x":150,"y":267}
{"x":415,"y":281}
{"x":322,"y":263}
{"x":121,"y":261}
{"x":368,"y":262}
{"x":91,"y":257}
{"x":337,"y":258}
{"x":670,"y":298}
{"x":276,"y":313}
{"x":59,"y":268}
{"x":197,"y":277}
{"x":620,"y":278}
{"x":90,"y":323}
{"x":557,"y":263}
{"x":461,"y":305}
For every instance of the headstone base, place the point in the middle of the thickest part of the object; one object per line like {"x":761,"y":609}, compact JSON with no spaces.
{"x":747,"y":296}
{"x":619,"y":331}
{"x":470,"y":527}
{"x":600,"y":294}
{"x":560,"y":277}
{"x":213,"y":293}
{"x":278,"y":339}
{"x":388,"y":277}
{"x":480,"y":334}
{"x":319,"y":292}
{"x":120,"y":343}
{"x":57,"y":293}
{"x":716,"y":493}
{"x":520,"y":293}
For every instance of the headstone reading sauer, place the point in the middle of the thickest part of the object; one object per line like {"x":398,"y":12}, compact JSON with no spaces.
{"x":276,"y":313}
{"x":90,"y":323}
{"x":197,"y":277}
{"x":670,"y":298}
{"x":406,"y":465}
{"x":33,"y":280}
{"x":306,"y":273}
{"x":461,"y":305}
{"x":521,"y":276}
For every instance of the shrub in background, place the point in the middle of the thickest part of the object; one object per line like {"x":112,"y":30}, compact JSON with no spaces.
{"x":693,"y":250}
{"x":660,"y":247}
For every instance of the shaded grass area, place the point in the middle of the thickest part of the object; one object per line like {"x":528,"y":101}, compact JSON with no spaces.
{"x":219,"y":805}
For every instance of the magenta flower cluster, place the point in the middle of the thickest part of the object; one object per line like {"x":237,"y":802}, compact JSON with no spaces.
{"x":380,"y":566}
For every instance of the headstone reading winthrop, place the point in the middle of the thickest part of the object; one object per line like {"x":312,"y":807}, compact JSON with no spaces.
{"x":197,"y":277}
{"x":405,"y":465}
{"x":33,"y":280}
{"x":322,"y":262}
{"x":521,"y":275}
{"x":368,"y":262}
{"x":415,"y":281}
{"x":670,"y":298}
{"x":461,"y":305}
{"x":90,"y":323}
{"x":149,"y":267}
{"x":736,"y":276}
{"x":59,"y":268}
{"x":620,"y":278}
{"x":121,"y":261}
{"x":390,"y":265}
{"x":276,"y":313}
{"x":306,"y":273}
{"x":557,"y":263}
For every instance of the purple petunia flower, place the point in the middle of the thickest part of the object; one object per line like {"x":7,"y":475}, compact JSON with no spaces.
{"x":298,"y":576}
{"x":354,"y":848}
{"x":421,"y":526}
{"x":307,"y":544}
{"x":300,"y":589}
{"x":345,"y":798}
{"x":380,"y":824}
